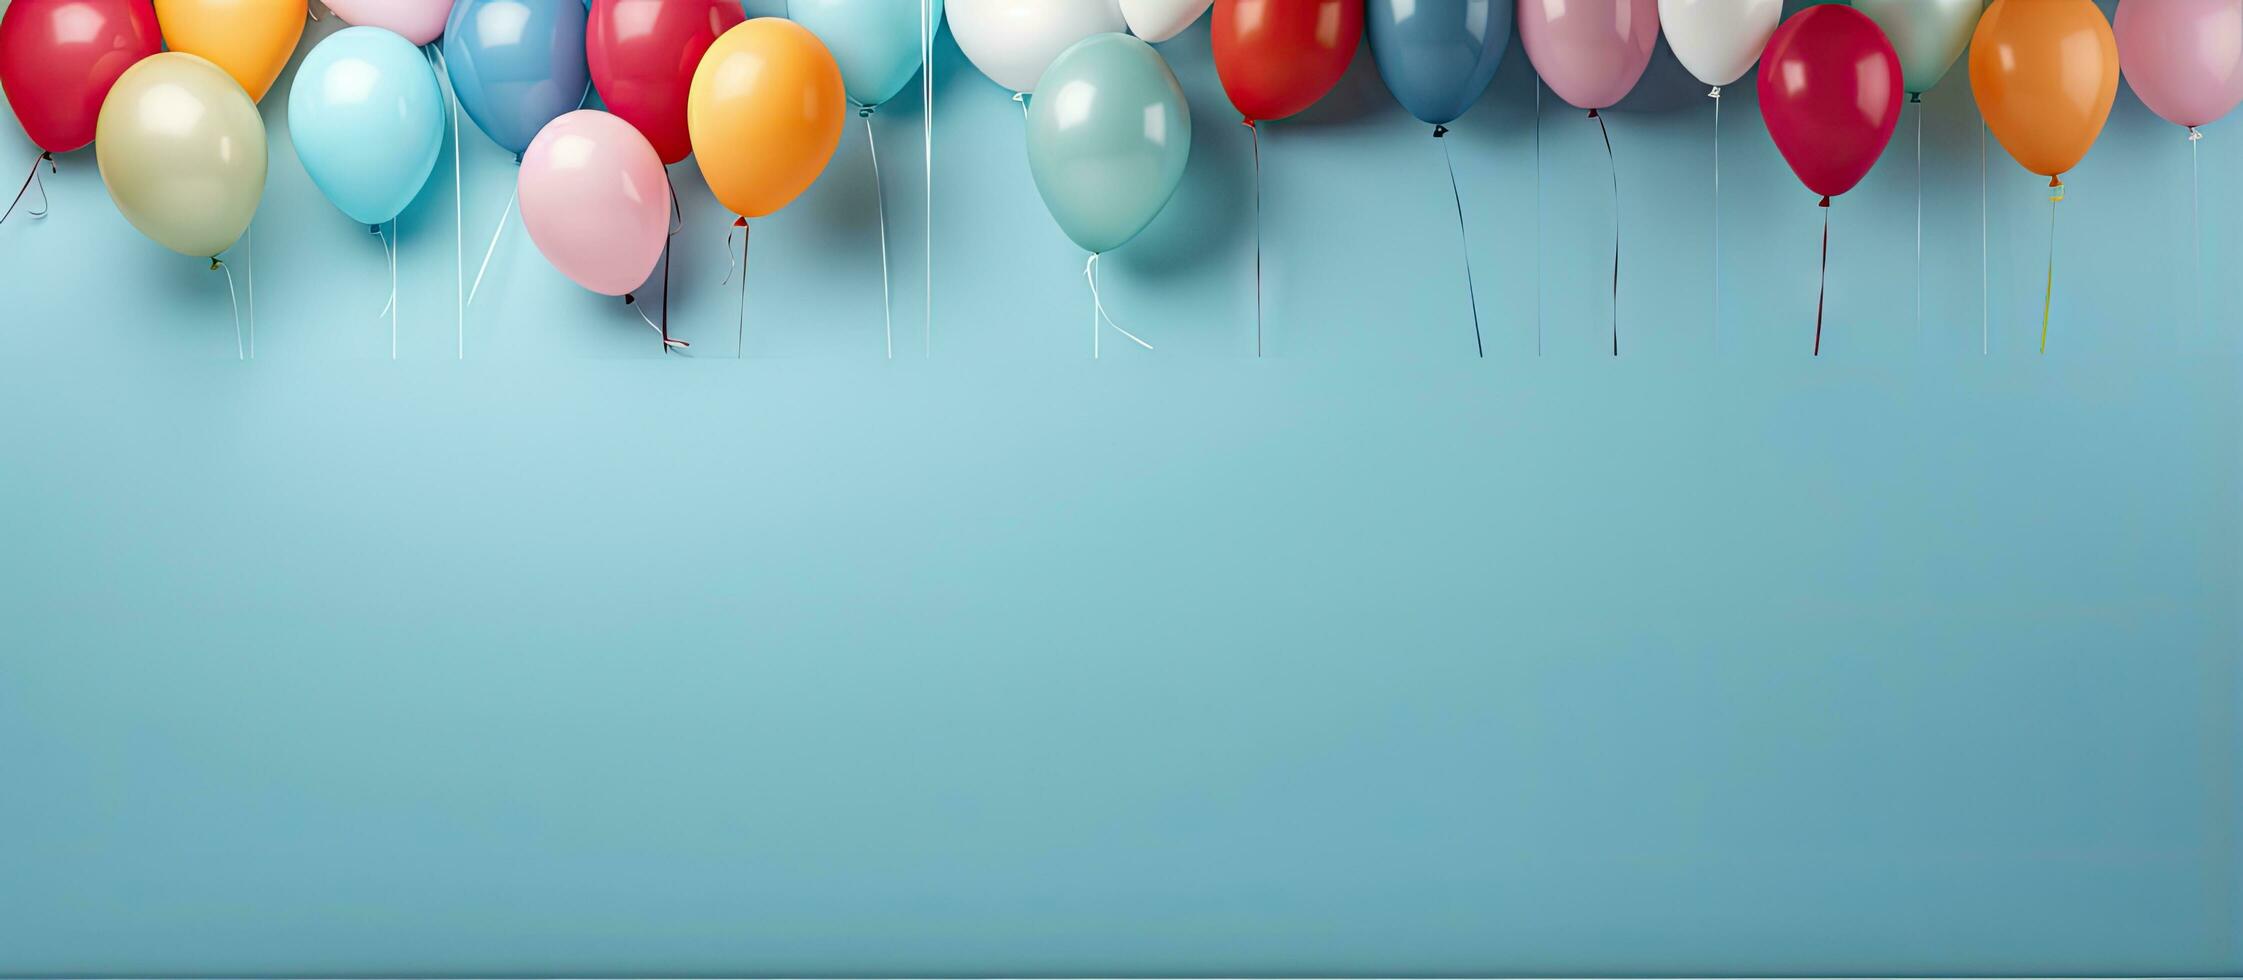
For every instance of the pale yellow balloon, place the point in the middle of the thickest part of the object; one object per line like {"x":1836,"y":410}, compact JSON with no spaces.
{"x":765,"y":113}
{"x":251,"y":39}
{"x":182,"y":151}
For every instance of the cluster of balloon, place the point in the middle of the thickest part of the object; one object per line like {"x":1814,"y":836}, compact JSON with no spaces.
{"x":1437,"y":57}
{"x":1830,"y":91}
{"x":765,"y":114}
{"x":1107,"y":143}
{"x":1592,"y":53}
{"x":1275,"y":59}
{"x":1928,"y":35}
{"x":2045,"y":73}
{"x":1015,"y":41}
{"x":1717,"y":41}
{"x":58,"y":60}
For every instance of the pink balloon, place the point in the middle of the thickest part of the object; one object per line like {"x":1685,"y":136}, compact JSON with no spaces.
{"x":1591,"y":52}
{"x":2183,"y":57}
{"x":596,"y":200}
{"x":420,"y":21}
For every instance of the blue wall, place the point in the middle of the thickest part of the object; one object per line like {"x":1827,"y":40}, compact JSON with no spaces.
{"x":1367,"y":656}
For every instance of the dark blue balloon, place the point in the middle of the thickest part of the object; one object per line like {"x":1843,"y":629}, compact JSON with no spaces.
{"x":1437,"y":56}
{"x":516,"y":64}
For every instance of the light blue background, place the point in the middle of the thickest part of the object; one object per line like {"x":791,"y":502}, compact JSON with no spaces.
{"x":1367,"y":656}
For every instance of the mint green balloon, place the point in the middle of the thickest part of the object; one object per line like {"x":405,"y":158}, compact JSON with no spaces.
{"x":1928,"y":34}
{"x":1108,"y":135}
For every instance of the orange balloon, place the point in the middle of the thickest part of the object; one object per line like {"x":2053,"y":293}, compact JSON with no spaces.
{"x":2045,"y":73}
{"x":251,"y":39}
{"x":765,"y":113}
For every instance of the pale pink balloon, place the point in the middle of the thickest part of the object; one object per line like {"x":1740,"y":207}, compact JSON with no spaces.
{"x":2183,"y":57}
{"x":420,"y":21}
{"x":595,"y":200}
{"x":1591,"y":52}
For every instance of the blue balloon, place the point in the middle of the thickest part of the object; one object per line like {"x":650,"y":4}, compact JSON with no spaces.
{"x":367,"y":119}
{"x":516,"y":65}
{"x":1438,"y":56}
{"x":876,"y":42}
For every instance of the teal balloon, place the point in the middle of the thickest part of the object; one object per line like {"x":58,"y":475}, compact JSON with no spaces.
{"x":1108,"y":136}
{"x":367,"y":118}
{"x":1929,"y":35}
{"x":876,"y":42}
{"x":1438,"y":56}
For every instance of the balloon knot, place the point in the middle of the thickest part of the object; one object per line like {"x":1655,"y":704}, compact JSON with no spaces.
{"x":373,"y":229}
{"x":864,"y":112}
{"x":629,"y":299}
{"x":2195,"y":134}
{"x":216,"y":265}
{"x":1715,"y":94}
{"x":2056,"y":181}
{"x":740,"y":222}
{"x":1916,"y":97}
{"x":1440,"y":131}
{"x":1248,"y":123}
{"x":1825,"y":201}
{"x":1592,"y":114}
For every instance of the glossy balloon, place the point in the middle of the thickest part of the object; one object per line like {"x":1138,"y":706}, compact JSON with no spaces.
{"x":418,"y":21}
{"x":1108,"y":139}
{"x":251,"y":39}
{"x":367,"y":119}
{"x":59,"y":57}
{"x":596,"y":201}
{"x":766,"y":112}
{"x":516,"y":65}
{"x":182,"y":152}
{"x":876,"y":42}
{"x":2183,"y":57}
{"x":1013,"y":41}
{"x":1277,"y":57}
{"x":1438,"y":56}
{"x":1590,"y":52}
{"x":1830,"y":90}
{"x":1928,"y":34}
{"x":1160,"y":20}
{"x":1718,"y":40}
{"x":642,"y":53}
{"x":2045,"y":73}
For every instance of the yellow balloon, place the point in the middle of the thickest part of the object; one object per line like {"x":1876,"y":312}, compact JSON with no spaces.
{"x":251,"y":39}
{"x":765,"y":112}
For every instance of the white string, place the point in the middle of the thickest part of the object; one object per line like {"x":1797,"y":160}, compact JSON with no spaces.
{"x":1716,"y":96}
{"x":1538,"y":216}
{"x":880,"y":203}
{"x":927,"y":104}
{"x":495,"y":233}
{"x":1098,"y":311}
{"x":1985,"y":255}
{"x":240,"y":354}
{"x":459,"y":210}
{"x":1919,"y":218}
{"x":1022,"y":98}
{"x":2196,"y":220}
{"x":389,"y":309}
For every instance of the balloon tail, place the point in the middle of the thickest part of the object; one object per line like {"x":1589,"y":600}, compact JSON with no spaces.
{"x":1822,"y":287}
{"x":880,"y":206}
{"x":740,"y":331}
{"x":1716,"y":96}
{"x":2048,"y":288}
{"x":1022,"y":98}
{"x":30,"y":179}
{"x":1256,"y":130}
{"x":1464,"y":239}
{"x":1098,"y":312}
{"x":496,"y":233}
{"x":240,"y":353}
{"x":927,"y":146}
{"x":1614,"y":164}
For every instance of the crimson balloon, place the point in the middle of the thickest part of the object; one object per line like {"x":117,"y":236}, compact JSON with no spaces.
{"x":642,"y":54}
{"x":58,"y":59}
{"x":1277,"y":57}
{"x":1830,"y":91}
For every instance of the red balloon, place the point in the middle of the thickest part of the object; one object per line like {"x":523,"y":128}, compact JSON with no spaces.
{"x":643,"y":53}
{"x":58,"y":59}
{"x":1830,"y":91}
{"x":1277,"y":57}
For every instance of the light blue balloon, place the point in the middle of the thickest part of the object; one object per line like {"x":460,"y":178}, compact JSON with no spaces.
{"x":1438,"y":56}
{"x":367,"y":119}
{"x":875,"y":41}
{"x":516,"y":65}
{"x":1108,"y":136}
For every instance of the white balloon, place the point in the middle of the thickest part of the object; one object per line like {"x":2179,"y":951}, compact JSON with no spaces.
{"x":1718,"y":40}
{"x":1159,"y":20}
{"x":1013,"y":41}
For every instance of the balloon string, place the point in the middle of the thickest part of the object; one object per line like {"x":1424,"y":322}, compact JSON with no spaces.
{"x":2048,"y":290}
{"x":927,"y":146}
{"x":1716,"y":96}
{"x":2196,"y":219}
{"x":880,"y":206}
{"x":28,"y":180}
{"x":1098,"y":311}
{"x":1822,"y":288}
{"x":459,"y":213}
{"x":1464,"y":238}
{"x":1985,"y":254}
{"x":389,"y":309}
{"x":1614,"y":164}
{"x":488,"y":252}
{"x":1538,"y":216}
{"x":240,"y":354}
{"x":1256,"y":130}
{"x":1918,"y":99}
{"x":744,"y":233}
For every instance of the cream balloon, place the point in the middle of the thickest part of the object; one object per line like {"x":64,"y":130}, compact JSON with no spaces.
{"x":182,"y":151}
{"x":1160,"y":20}
{"x":1718,"y":40}
{"x":1013,"y":41}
